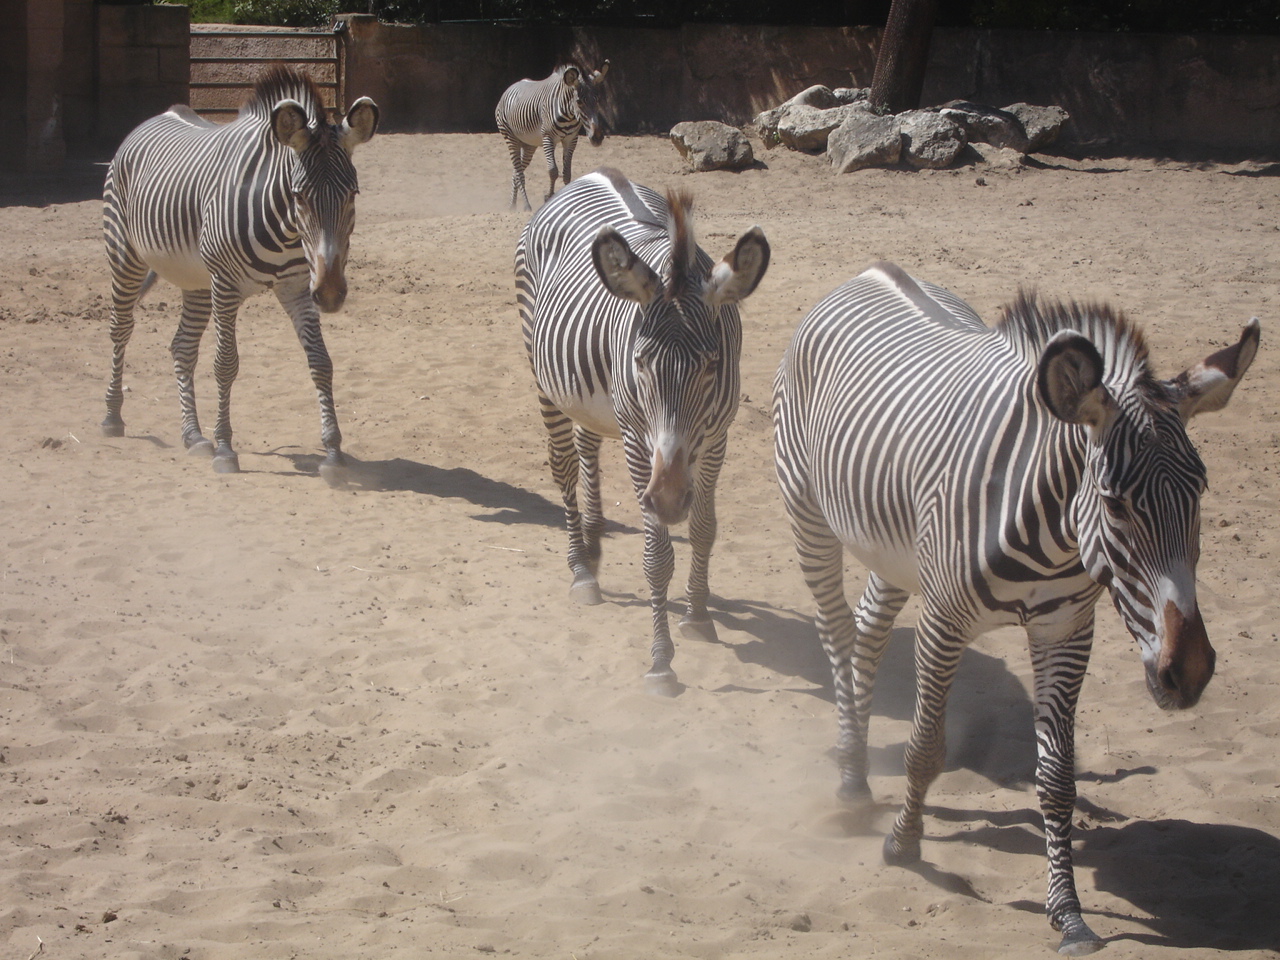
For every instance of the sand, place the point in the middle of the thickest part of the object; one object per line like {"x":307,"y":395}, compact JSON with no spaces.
{"x":256,"y":716}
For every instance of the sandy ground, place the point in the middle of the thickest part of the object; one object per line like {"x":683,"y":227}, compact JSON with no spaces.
{"x":255,"y":716}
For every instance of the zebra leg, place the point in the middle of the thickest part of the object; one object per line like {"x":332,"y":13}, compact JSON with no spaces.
{"x":854,"y":667}
{"x":697,"y":622}
{"x":938,"y":650}
{"x":297,"y":302}
{"x":549,"y":151}
{"x":129,"y":280}
{"x":185,"y":350}
{"x":587,"y":445}
{"x":570,"y":144}
{"x":226,"y":367}
{"x":659,"y":566}
{"x":563,"y":456}
{"x":521,"y":155}
{"x":1059,"y":658}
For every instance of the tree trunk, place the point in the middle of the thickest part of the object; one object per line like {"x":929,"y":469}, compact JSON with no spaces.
{"x":904,"y":53}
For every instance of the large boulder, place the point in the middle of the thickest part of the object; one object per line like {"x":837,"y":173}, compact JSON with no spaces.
{"x":864,"y":140}
{"x":1042,"y":124}
{"x":711,"y":145}
{"x":807,"y":128}
{"x":930,"y":140}
{"x":983,"y":124}
{"x":823,"y":98}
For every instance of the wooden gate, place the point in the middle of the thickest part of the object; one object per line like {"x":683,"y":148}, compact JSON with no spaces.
{"x":226,"y":60}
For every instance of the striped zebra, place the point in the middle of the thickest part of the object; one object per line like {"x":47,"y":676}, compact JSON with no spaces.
{"x":266,"y":202}
{"x":555,"y":110}
{"x":1007,"y":475}
{"x":633,"y":334}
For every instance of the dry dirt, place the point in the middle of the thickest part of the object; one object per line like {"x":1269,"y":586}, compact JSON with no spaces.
{"x":256,"y":716}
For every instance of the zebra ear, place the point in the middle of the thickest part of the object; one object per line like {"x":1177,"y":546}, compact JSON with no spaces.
{"x":289,"y":124}
{"x":599,"y":74}
{"x":1069,"y":380}
{"x":1209,"y":384}
{"x":736,"y":276}
{"x":622,"y":272}
{"x":360,"y":124}
{"x":571,"y":76}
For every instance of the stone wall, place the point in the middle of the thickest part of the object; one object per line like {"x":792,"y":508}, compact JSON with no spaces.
{"x":1208,"y":95}
{"x":144,"y":65}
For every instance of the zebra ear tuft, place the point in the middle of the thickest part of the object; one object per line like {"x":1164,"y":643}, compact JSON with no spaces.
{"x":736,"y":276}
{"x":621,"y":271}
{"x":289,"y":124}
{"x":1209,"y":384}
{"x":360,"y":124}
{"x":1069,"y":380}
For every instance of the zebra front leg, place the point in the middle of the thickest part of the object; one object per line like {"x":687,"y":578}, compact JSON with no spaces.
{"x":185,"y":350}
{"x":696,"y":622}
{"x":129,"y":281}
{"x":563,"y":456}
{"x":226,"y":367}
{"x":549,"y":151}
{"x":570,"y":144}
{"x":659,"y":566}
{"x":1059,"y":658}
{"x":298,"y":303}
{"x":938,"y":650}
{"x":521,"y":155}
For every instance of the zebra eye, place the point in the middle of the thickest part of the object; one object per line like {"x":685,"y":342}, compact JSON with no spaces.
{"x":1115,"y":506}
{"x":641,"y":362}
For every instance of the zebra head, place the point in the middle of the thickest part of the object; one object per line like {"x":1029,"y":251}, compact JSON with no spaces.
{"x":682,"y":380}
{"x":581,"y":91}
{"x":322,"y":188}
{"x":1138,"y":509}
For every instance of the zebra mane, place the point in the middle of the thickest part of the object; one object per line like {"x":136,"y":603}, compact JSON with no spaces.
{"x":281,"y":82}
{"x":1029,"y":322}
{"x":684,"y":248}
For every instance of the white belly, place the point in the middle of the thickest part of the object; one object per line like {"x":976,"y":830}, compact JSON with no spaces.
{"x":184,"y":270}
{"x":594,"y":413}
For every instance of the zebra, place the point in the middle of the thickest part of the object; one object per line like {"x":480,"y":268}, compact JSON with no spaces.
{"x":226,"y":211}
{"x":555,"y":110}
{"x":1007,"y":475}
{"x":633,"y":334}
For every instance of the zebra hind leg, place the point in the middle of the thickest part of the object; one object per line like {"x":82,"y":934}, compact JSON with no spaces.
{"x":587,"y":445}
{"x":521,"y":156}
{"x":185,"y":350}
{"x":130,"y":279}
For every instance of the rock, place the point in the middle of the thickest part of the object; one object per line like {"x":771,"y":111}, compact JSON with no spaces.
{"x":806,"y":128}
{"x":864,"y":140}
{"x":851,"y":94}
{"x":1042,"y":124}
{"x":711,"y":145}
{"x":816,"y":96}
{"x":982,"y":124}
{"x":930,"y":140}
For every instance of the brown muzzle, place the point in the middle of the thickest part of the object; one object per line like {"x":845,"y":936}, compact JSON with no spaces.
{"x":1186,"y":660}
{"x":330,"y":288}
{"x":669,"y":492}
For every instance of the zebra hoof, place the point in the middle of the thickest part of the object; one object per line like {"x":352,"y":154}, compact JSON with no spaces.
{"x":662,"y":682}
{"x":1077,"y":939}
{"x":699,"y":629}
{"x":226,"y":463}
{"x":333,"y":470}
{"x":200,"y":447}
{"x":585,"y":590}
{"x":854,"y":795}
{"x":900,"y":854}
{"x":113,"y":427}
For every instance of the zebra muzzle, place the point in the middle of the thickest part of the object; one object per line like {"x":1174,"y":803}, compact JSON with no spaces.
{"x":1186,"y":660}
{"x":669,"y":493}
{"x":329,"y":287}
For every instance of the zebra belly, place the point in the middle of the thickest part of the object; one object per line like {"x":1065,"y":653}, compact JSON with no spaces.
{"x":894,"y":563}
{"x":593,"y":412}
{"x":182,"y":268}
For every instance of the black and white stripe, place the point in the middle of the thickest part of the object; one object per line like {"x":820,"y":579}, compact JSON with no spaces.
{"x":632,"y":333}
{"x":1006,"y":475}
{"x":224,"y":212}
{"x":546,"y":112}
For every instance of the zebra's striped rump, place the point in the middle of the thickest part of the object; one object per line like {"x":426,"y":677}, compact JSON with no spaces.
{"x":632,"y":333}
{"x":226,"y":211}
{"x":1008,"y":475}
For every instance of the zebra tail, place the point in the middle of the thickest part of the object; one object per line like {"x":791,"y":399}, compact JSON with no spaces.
{"x":148,"y":282}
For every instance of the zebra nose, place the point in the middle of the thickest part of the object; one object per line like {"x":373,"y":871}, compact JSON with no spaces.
{"x":1187,"y":660}
{"x":669,"y":494}
{"x":330,"y":292}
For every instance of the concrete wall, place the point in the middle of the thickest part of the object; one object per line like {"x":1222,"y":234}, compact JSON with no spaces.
{"x":144,"y":65}
{"x":1208,"y":95}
